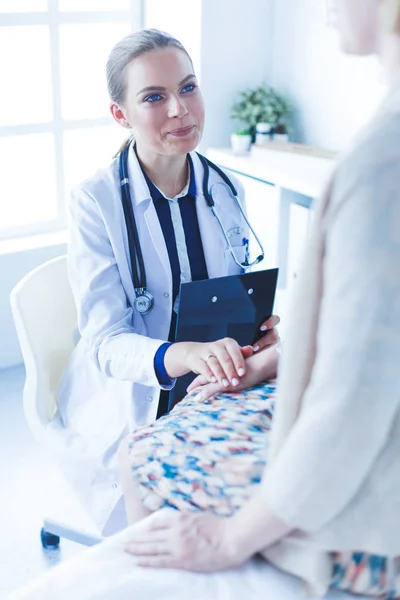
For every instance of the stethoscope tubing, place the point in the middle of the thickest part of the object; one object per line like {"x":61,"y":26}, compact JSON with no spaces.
{"x":135,"y":251}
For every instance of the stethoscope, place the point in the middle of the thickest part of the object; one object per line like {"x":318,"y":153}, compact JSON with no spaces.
{"x":144,"y":301}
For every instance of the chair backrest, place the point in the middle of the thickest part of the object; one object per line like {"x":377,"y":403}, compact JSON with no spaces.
{"x":45,"y":318}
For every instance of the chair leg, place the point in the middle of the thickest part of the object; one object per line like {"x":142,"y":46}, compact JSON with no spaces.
{"x":49,"y":540}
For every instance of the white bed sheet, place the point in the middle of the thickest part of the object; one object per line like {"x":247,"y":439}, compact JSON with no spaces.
{"x":106,"y":572}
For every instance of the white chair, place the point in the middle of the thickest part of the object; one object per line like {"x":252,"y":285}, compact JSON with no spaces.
{"x":45,"y":318}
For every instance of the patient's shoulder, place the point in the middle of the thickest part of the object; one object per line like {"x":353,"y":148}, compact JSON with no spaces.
{"x":372,"y":167}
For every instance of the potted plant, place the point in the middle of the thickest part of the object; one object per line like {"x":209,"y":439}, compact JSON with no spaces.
{"x":281,"y":133}
{"x":241,"y":141}
{"x":262,"y":105}
{"x":278,"y":111}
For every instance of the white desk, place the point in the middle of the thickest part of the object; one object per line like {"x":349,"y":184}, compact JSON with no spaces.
{"x":303,"y":172}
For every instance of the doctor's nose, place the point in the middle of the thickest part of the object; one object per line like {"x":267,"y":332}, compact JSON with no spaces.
{"x":177,"y":108}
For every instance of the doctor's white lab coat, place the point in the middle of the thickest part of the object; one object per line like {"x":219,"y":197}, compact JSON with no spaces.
{"x":109,"y":386}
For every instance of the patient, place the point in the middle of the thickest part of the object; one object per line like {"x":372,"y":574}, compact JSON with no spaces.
{"x":326,"y":507}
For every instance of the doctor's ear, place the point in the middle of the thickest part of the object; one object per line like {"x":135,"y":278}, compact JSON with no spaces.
{"x":119,"y":116}
{"x":389,"y":13}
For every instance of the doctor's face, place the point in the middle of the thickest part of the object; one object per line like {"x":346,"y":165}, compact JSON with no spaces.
{"x":358,"y":24}
{"x":163,"y":105}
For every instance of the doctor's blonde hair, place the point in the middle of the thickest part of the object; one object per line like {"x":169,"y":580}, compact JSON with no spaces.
{"x":126,"y":50}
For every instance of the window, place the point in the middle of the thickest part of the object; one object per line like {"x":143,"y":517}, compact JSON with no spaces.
{"x":55,"y":126}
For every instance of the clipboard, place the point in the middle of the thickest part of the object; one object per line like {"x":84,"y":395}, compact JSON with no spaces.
{"x":233,"y":306}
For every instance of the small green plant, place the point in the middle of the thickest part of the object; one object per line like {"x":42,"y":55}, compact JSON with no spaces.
{"x":242,"y":132}
{"x":262,"y":105}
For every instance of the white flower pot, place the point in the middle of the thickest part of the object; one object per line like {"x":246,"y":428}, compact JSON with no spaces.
{"x":240,"y":143}
{"x":281,"y":137}
{"x":263,"y":133}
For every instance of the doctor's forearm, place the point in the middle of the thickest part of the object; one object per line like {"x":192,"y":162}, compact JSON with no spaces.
{"x":261,"y":366}
{"x":176,"y":360}
{"x":222,"y":359}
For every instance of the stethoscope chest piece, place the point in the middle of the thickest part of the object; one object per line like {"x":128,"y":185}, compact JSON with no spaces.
{"x":144,"y":302}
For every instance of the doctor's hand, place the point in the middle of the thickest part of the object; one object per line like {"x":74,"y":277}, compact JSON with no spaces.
{"x":222,"y":361}
{"x":260,"y":367}
{"x":271,"y":336}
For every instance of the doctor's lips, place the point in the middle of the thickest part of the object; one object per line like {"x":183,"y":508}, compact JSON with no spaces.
{"x":182,"y":131}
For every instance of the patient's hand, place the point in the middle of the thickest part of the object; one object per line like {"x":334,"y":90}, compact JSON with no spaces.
{"x":259,"y":367}
{"x":184,"y":540}
{"x":203,"y":542}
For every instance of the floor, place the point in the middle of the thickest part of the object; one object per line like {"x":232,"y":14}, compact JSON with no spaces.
{"x":27,"y":479}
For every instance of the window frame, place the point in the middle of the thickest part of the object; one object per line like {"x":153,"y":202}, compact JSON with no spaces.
{"x":54,"y":18}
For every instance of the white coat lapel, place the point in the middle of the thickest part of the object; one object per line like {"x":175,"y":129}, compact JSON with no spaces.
{"x":140,"y":193}
{"x":212,"y":238}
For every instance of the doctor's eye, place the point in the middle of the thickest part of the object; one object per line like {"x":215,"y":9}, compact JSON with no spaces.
{"x":153,"y":98}
{"x":190,"y":87}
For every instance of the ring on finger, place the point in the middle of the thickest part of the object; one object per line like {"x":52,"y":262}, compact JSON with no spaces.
{"x":210,"y":356}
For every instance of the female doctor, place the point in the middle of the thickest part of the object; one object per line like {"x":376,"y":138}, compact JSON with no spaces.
{"x":138,"y":228}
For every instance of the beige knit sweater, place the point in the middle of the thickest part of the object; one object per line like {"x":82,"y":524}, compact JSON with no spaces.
{"x":334,"y":464}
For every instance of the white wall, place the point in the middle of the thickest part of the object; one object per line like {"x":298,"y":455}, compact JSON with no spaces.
{"x":334,"y":94}
{"x":174,"y":17}
{"x":12,"y":268}
{"x":236,"y":52}
{"x":229,"y":41}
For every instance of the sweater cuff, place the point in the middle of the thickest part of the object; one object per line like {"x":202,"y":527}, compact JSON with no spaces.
{"x":163,"y":378}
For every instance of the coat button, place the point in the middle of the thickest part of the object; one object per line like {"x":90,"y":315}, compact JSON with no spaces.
{"x":114,"y":485}
{"x":149,"y":398}
{"x":166,"y":295}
